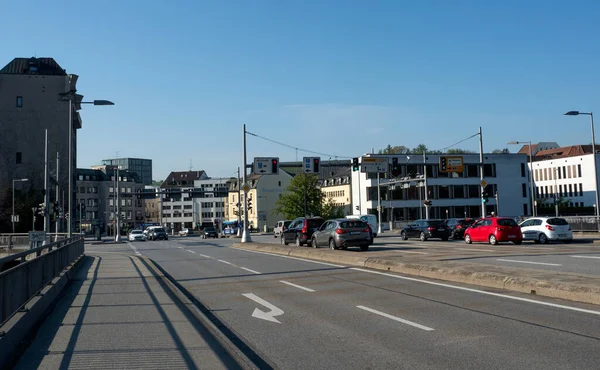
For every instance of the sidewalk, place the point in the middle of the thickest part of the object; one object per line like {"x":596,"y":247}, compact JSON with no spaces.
{"x":119,"y":312}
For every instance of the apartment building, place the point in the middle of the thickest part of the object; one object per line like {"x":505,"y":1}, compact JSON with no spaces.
{"x":337,"y":187}
{"x":141,"y":167}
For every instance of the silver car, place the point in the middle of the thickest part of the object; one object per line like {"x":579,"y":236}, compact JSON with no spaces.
{"x":341,"y":234}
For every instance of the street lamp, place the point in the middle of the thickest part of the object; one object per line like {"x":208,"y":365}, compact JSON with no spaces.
{"x":71,"y":97}
{"x":533,"y":210}
{"x":13,"y":201}
{"x":576,"y":113}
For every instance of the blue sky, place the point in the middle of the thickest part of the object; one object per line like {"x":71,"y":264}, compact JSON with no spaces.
{"x":337,"y":77}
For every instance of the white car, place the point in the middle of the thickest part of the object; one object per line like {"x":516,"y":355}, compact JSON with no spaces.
{"x":136,"y":235}
{"x":544,"y":229}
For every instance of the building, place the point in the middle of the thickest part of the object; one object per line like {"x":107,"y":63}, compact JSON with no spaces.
{"x":327,"y":167}
{"x":337,"y":187}
{"x":567,"y":175}
{"x":210,"y":209}
{"x":263,"y":194}
{"x":451,"y":194}
{"x":152,"y":210}
{"x":139,"y":166}
{"x":30,"y":102}
{"x":96,"y":191}
{"x":541,"y":146}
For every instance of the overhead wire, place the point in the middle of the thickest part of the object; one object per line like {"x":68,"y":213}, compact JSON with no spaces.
{"x":296,"y":148}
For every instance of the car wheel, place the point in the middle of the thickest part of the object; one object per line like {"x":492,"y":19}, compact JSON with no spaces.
{"x":332,"y":244}
{"x":493,"y":240}
{"x":567,"y":241}
{"x":403,"y":236}
{"x":364,"y":248}
{"x":313,"y":242}
{"x":298,"y":244}
{"x":518,"y":242}
{"x":283,"y":242}
{"x":166,"y":238}
{"x":445,"y":238}
{"x":468,"y":239}
{"x":543,"y":238}
{"x":423,"y":237}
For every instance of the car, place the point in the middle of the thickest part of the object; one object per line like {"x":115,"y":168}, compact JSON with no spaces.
{"x":149,"y":229}
{"x":209,"y":232}
{"x":281,"y":225}
{"x":426,"y":229}
{"x":370,"y":219}
{"x":458,"y":226}
{"x":301,"y":230}
{"x":494,"y":230}
{"x":185,"y":232}
{"x":341,"y":234}
{"x":544,"y":229}
{"x":158,"y":233}
{"x":136,"y":235}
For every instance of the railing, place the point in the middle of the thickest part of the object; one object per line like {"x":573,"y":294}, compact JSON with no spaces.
{"x":21,"y":279}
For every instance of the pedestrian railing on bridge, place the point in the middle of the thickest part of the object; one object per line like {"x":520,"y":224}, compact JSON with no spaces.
{"x":22,"y":277}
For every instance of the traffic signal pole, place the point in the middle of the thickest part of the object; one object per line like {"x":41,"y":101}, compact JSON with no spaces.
{"x":245,"y":234}
{"x":425,"y":184}
{"x":57,"y":228}
{"x":481,"y":171}
{"x":46,"y":189}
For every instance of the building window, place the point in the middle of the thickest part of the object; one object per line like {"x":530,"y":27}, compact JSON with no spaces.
{"x":569,"y":171}
{"x":522,"y":169}
{"x":471,"y":170}
{"x":560,"y":190}
{"x":570,"y":189}
{"x":580,"y":190}
{"x":574,"y":171}
{"x":578,"y":170}
{"x":558,"y":172}
{"x":19,"y":102}
{"x":545,"y":174}
{"x":546,"y":191}
{"x":19,"y":158}
{"x":537,"y":192}
{"x":524,"y":190}
{"x":444,"y":191}
{"x":564,"y":172}
{"x":550,"y":173}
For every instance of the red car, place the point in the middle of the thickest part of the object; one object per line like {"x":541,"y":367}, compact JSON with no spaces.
{"x":494,"y":230}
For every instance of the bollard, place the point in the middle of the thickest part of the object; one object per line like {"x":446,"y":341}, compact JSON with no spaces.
{"x":10,"y":246}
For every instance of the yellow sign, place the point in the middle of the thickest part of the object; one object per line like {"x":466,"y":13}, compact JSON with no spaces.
{"x":483,"y":183}
{"x":246,"y":188}
{"x":451,"y":164}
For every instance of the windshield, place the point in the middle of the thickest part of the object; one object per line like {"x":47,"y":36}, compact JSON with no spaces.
{"x":159,"y":230}
{"x":557,"y":222}
{"x":314,"y":223}
{"x":506,"y":222}
{"x":136,"y":231}
{"x":209,"y":229}
{"x":352,"y":224}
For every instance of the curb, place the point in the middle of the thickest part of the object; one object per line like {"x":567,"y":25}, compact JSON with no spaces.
{"x":22,"y":324}
{"x":585,"y":293}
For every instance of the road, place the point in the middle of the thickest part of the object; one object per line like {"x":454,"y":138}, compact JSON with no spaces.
{"x":300,"y":314}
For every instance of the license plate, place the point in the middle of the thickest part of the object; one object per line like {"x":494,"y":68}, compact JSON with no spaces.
{"x":562,"y":235}
{"x":512,"y":236}
{"x":354,"y":232}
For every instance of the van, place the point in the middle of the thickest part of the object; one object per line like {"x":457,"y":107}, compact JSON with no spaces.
{"x":149,"y":229}
{"x":370,"y":219}
{"x":280,"y":227}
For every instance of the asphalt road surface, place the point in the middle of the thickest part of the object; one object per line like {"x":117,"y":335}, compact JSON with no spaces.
{"x":299,"y":314}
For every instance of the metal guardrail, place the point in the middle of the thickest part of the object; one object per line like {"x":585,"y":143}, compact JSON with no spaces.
{"x":22,"y":279}
{"x":578,"y":223}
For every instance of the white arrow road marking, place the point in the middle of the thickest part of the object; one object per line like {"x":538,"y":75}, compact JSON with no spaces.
{"x":259,"y":314}
{"x":135,"y":250}
{"x":586,"y":257}
{"x":423,"y":327}
{"x":532,"y":263}
{"x":296,"y":286}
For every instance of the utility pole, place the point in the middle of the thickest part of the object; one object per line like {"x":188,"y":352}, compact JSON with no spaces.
{"x":239,"y":205}
{"x":58,"y":194}
{"x":245,"y":234}
{"x":46,"y":189}
{"x":497,"y":203}
{"x":425,"y":184}
{"x":481,"y":171}
{"x":118,"y":227}
{"x":379,"y":230}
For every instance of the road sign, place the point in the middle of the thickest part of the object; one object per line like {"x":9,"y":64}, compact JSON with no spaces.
{"x":453,"y":163}
{"x":15,"y":218}
{"x":246,"y":188}
{"x":265,"y":166}
{"x":310,"y":164}
{"x":37,"y":236}
{"x":374,"y":164}
{"x":483,"y":183}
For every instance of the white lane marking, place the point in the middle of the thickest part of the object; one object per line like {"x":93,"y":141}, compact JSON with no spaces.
{"x":135,"y":250}
{"x":228,"y":263}
{"x":191,"y":251}
{"x":296,"y":286}
{"x":415,"y":252}
{"x":423,"y":327}
{"x":480,"y":291}
{"x":252,"y":271}
{"x":595,"y":257}
{"x":475,"y":250}
{"x":180,"y":247}
{"x":529,"y":262}
{"x":260,"y":314}
{"x":204,"y":255}
{"x":440,"y":284}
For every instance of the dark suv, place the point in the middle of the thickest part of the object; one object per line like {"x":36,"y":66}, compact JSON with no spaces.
{"x":458,"y":226}
{"x":158,"y":234}
{"x":301,"y":230}
{"x":426,"y":229}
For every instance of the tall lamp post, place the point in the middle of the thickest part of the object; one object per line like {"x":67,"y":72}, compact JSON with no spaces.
{"x":13,"y":201}
{"x":531,"y":193}
{"x":576,"y":113}
{"x":72,"y":97}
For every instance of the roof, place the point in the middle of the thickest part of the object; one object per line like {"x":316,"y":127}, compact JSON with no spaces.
{"x":563,"y":152}
{"x":33,"y":66}
{"x":100,"y":175}
{"x":525,"y":149}
{"x":182,"y":178}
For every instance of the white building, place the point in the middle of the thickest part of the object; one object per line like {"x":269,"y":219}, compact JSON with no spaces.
{"x":451,"y":194}
{"x":210,"y":209}
{"x":566,"y":173}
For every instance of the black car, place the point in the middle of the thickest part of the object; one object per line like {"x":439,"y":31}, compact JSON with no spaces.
{"x":158,"y":234}
{"x":209,"y":232}
{"x":301,"y":230}
{"x":426,"y":229}
{"x":458,"y":226}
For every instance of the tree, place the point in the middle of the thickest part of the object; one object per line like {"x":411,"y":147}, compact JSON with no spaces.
{"x":501,"y":151}
{"x":400,"y":149}
{"x":420,"y":149}
{"x":331,"y":210}
{"x":303,"y":192}
{"x":459,"y":151}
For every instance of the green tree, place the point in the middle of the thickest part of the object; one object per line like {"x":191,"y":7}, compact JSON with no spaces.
{"x":501,"y":151}
{"x":303,"y":191}
{"x":420,"y":149}
{"x":331,"y":210}
{"x":459,"y":151}
{"x":400,"y":149}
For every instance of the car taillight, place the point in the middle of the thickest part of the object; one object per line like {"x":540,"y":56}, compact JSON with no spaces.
{"x":340,"y":231}
{"x":366,"y":230}
{"x":431,"y":228}
{"x":549,"y":228}
{"x":304,"y":227}
{"x":458,"y":226}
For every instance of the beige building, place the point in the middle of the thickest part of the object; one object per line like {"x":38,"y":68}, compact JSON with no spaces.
{"x":336,"y":186}
{"x":152,"y":210}
{"x":264,"y":192}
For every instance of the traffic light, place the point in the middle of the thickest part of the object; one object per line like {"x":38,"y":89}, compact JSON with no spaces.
{"x":355,"y":164}
{"x":395,"y":167}
{"x":427,"y":203}
{"x":443,"y":164}
{"x":484,"y":197}
{"x":50,"y":208}
{"x":56,"y":208}
{"x":249,"y":205}
{"x":41,"y":209}
{"x":275,"y":166}
{"x":316,"y":165}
